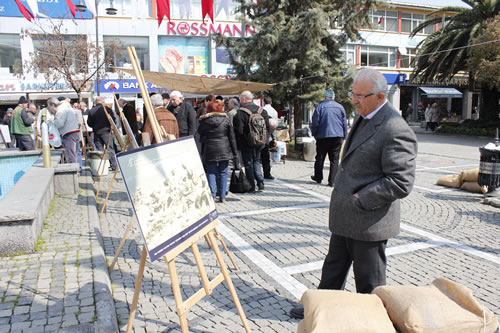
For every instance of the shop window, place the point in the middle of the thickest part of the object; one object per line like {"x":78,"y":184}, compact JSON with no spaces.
{"x":120,"y":57}
{"x":76,"y":51}
{"x":10,"y":53}
{"x":378,"y":56}
{"x":184,"y":55}
{"x":126,"y":8}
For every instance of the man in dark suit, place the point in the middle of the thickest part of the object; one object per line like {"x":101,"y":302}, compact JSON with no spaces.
{"x":102,"y":128}
{"x":377,"y":169}
{"x":129,"y":113}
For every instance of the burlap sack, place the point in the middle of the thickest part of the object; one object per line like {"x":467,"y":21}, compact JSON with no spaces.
{"x":441,"y":307}
{"x":470,"y":175}
{"x":454,"y":181}
{"x":473,"y":187}
{"x":336,"y":311}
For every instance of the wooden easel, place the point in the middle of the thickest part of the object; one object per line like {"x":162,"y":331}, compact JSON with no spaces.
{"x":130,"y":141}
{"x":207,"y":231}
{"x":88,"y":145}
{"x":123,"y":146}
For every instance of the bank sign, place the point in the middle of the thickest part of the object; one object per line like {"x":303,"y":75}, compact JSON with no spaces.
{"x":43,"y":8}
{"x":126,"y":86}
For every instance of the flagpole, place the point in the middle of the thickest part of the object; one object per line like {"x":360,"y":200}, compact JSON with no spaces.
{"x":97,"y":45}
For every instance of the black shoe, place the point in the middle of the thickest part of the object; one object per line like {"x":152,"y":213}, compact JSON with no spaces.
{"x":297,"y":313}
{"x":260,"y":187}
{"x":316,"y":180}
{"x":252,"y":190}
{"x":269,"y":177}
{"x":330,"y":184}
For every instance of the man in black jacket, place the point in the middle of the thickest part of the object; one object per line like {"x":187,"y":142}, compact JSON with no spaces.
{"x":129,"y":113}
{"x":184,"y":113}
{"x":102,"y":128}
{"x":250,"y":155}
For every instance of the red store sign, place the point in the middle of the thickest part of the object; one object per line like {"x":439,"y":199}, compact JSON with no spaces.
{"x":204,"y":29}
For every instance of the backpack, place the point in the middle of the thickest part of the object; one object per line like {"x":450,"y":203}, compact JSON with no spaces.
{"x":256,"y":128}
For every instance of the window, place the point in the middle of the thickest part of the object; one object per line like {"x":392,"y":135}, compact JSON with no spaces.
{"x":349,"y":52}
{"x":408,"y":58}
{"x":385,"y":20}
{"x":378,"y":56}
{"x":121,"y":59}
{"x":224,"y":10}
{"x":184,"y":55}
{"x":10,"y":53}
{"x":125,"y":8}
{"x":410,"y":21}
{"x":74,"y":50}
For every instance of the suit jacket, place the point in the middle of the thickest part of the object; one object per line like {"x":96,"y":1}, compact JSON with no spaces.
{"x":378,"y":163}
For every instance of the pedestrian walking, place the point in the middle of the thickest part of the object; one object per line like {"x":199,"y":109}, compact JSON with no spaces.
{"x":329,"y":128}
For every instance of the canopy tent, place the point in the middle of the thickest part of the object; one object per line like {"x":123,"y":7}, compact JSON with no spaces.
{"x":441,"y":92}
{"x":192,"y":84}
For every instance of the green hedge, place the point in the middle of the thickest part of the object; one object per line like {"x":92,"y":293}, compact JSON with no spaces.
{"x":471,"y":127}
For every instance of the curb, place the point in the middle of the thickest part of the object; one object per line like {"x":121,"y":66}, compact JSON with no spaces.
{"x":105,"y":305}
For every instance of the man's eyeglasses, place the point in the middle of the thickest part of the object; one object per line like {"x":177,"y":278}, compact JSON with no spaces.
{"x":359,"y":97}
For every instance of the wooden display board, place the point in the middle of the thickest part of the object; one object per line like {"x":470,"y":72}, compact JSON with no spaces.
{"x":191,"y":235}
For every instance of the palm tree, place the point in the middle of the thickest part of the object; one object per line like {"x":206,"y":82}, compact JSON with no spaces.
{"x":444,"y":53}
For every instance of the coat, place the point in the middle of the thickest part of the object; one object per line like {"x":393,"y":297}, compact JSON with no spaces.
{"x":217,"y":138}
{"x":186,"y":118}
{"x":98,"y":121}
{"x":329,"y":121}
{"x":166,"y":120}
{"x":378,"y":163}
{"x":240,"y":123}
{"x":65,"y":119}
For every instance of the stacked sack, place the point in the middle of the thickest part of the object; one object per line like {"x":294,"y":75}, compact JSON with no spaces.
{"x":466,"y":180}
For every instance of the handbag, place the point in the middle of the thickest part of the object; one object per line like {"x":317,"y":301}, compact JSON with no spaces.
{"x":239,"y":182}
{"x":54,"y":136}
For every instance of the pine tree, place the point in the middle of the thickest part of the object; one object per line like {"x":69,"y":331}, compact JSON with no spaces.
{"x":294,"y":47}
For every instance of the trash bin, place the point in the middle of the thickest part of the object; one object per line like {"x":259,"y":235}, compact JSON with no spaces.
{"x":309,"y":149}
{"x":94,"y":158}
{"x":299,"y":136}
{"x":489,"y":168}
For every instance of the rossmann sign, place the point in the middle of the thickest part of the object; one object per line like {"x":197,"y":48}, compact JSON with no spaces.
{"x":183,"y":28}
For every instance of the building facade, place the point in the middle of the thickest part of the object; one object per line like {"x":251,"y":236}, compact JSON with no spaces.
{"x":183,"y":45}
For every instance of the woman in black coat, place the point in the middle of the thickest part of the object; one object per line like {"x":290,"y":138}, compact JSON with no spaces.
{"x":218,"y":147}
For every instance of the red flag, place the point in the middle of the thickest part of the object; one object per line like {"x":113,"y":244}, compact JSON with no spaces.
{"x":25,"y":11}
{"x":73,"y":8}
{"x":163,"y":9}
{"x":207,"y":7}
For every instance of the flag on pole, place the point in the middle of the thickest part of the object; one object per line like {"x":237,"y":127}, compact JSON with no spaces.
{"x":163,"y":9}
{"x":207,"y":7}
{"x":72,"y":8}
{"x":25,"y":11}
{"x":90,"y":6}
{"x":34,"y":8}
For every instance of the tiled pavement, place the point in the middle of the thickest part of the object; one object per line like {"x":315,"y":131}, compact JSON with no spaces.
{"x":278,"y":239}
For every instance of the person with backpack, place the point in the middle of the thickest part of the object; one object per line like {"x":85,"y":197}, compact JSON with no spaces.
{"x":251,"y":124}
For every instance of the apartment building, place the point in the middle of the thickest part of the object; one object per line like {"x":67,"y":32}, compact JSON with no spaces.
{"x":183,"y":46}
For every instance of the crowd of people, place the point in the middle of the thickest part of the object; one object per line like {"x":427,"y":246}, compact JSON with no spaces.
{"x":220,"y":128}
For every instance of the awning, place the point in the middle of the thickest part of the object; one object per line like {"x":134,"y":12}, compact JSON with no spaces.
{"x":441,"y":92}
{"x":192,"y":84}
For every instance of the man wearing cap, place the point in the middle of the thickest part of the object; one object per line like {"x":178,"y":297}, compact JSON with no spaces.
{"x":21,"y":126}
{"x":329,"y":128}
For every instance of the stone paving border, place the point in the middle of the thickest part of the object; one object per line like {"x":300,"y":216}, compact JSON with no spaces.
{"x":105,"y":305}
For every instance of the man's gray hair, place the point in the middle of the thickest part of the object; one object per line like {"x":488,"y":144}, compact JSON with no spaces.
{"x":122,"y":101}
{"x":82,"y":103}
{"x":246,"y":94}
{"x":157,"y":100}
{"x":374,"y":76}
{"x":100,"y":100}
{"x":235,"y":102}
{"x":175,"y":93}
{"x":53,"y":101}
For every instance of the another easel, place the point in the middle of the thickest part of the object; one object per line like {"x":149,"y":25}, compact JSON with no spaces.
{"x":123,"y":146}
{"x":207,"y":231}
